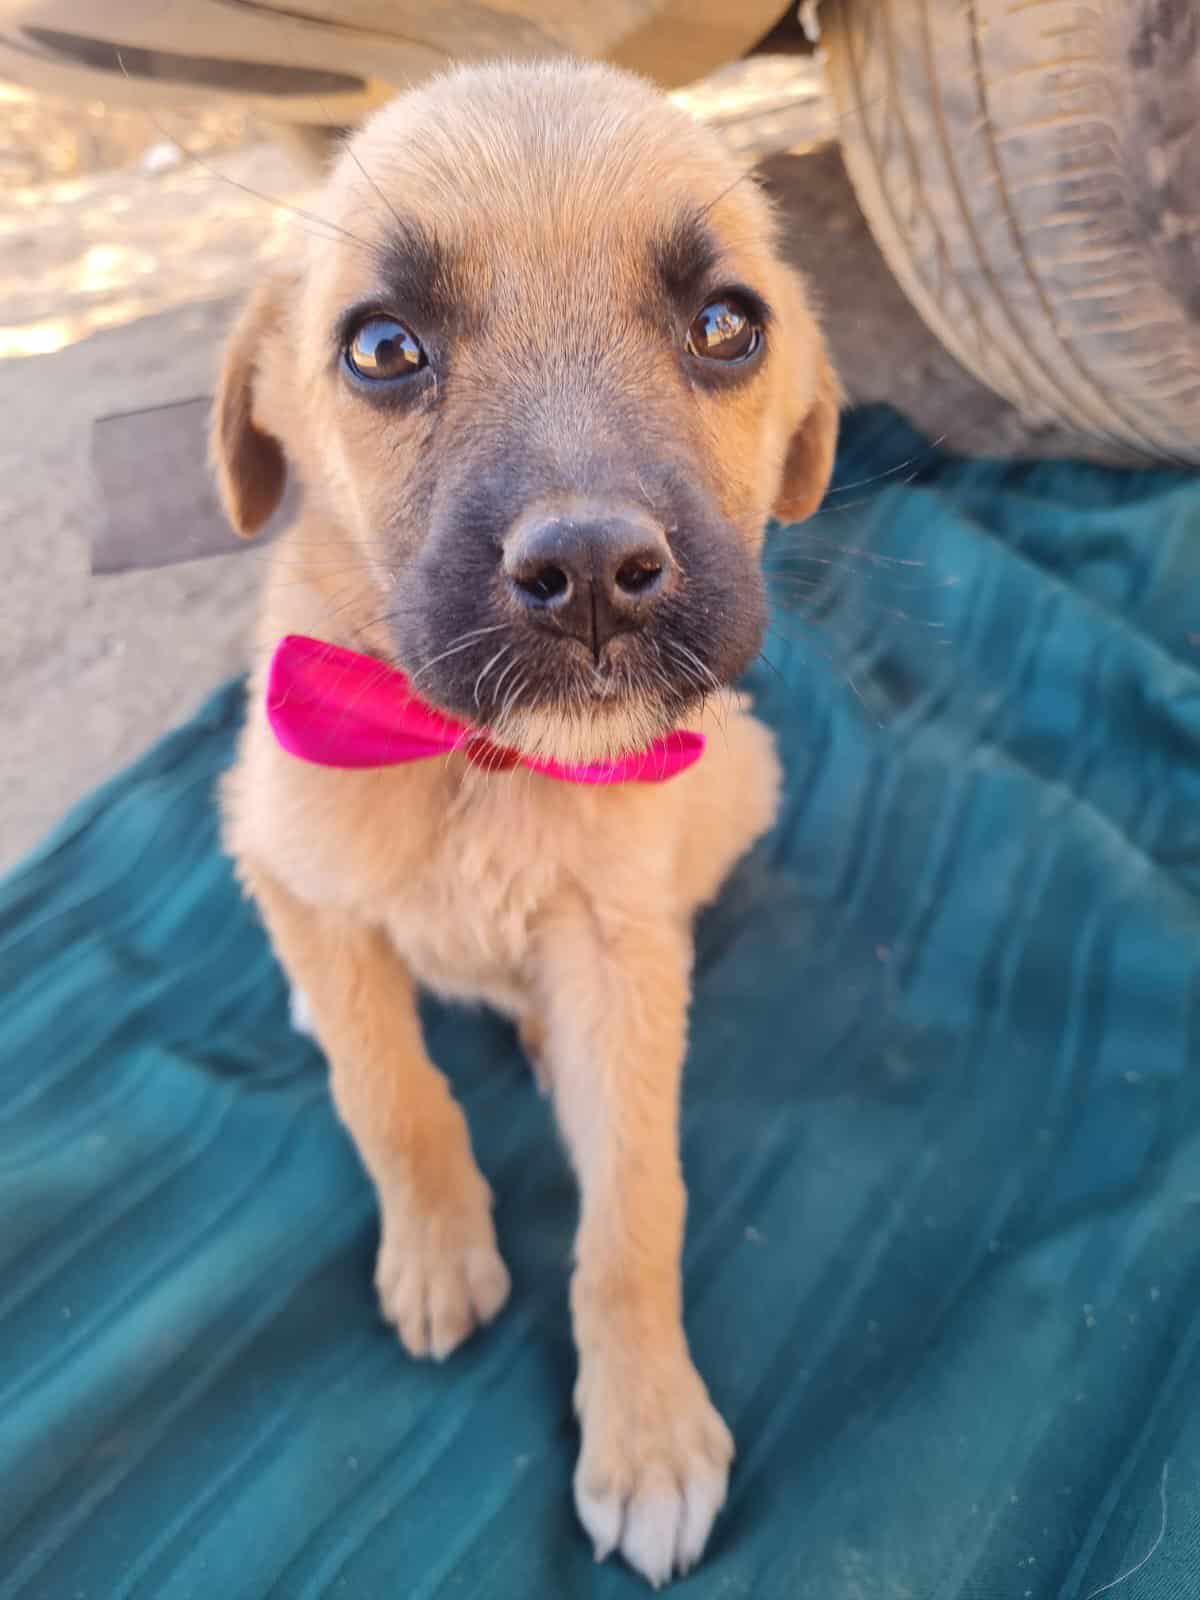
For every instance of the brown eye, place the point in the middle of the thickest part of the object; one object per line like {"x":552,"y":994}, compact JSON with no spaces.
{"x":383,"y":349}
{"x":724,"y":331}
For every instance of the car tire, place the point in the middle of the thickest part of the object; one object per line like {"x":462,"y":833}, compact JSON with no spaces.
{"x":1031,"y":172}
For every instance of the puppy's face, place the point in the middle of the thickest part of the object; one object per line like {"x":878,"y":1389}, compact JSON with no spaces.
{"x":547,"y":376}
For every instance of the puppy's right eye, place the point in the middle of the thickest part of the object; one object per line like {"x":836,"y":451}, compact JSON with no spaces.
{"x":725,"y":330}
{"x":382,"y":350}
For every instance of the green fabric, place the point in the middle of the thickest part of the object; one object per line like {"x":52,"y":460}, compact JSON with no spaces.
{"x":942,"y":1132}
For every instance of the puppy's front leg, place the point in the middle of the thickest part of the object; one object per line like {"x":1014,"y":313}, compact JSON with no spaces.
{"x":439,"y":1273}
{"x":655,"y":1454}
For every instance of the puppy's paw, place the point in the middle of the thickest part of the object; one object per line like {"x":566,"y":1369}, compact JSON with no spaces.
{"x":440,"y":1276}
{"x":300,"y":1013}
{"x":654,"y":1465}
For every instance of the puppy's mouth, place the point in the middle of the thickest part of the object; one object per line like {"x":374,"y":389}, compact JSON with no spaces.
{"x":550,"y":699}
{"x":607,"y":685}
{"x":608,"y":716}
{"x":584,"y":635}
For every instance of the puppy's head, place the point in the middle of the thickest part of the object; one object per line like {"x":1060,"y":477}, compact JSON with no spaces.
{"x":545,"y":375}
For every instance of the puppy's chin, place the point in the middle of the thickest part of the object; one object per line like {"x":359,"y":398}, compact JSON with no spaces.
{"x":604,"y":727}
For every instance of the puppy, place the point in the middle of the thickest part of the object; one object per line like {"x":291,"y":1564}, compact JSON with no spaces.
{"x":543,"y":378}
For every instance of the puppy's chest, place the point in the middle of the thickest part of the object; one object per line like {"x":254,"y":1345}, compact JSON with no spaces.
{"x":465,"y":916}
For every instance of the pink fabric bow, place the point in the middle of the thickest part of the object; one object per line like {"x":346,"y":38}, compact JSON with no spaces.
{"x":337,"y":708}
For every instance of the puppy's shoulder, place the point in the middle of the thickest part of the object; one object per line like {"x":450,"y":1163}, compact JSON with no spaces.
{"x":728,"y":800}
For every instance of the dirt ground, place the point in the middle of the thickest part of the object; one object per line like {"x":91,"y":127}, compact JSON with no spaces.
{"x":105,"y":218}
{"x":120,"y":262}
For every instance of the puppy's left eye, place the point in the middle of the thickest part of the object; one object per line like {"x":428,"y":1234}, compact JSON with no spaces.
{"x":382,"y":349}
{"x":725,"y":330}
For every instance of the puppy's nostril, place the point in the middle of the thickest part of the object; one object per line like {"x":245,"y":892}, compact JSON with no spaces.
{"x":545,"y":585}
{"x":639,"y":576}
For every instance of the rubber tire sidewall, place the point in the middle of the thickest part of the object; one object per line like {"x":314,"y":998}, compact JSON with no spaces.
{"x":1006,"y":160}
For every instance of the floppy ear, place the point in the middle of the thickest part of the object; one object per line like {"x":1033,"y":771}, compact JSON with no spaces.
{"x":249,"y":461}
{"x":808,"y":464}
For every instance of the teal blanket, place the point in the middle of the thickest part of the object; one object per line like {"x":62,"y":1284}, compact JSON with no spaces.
{"x":942,"y":1132}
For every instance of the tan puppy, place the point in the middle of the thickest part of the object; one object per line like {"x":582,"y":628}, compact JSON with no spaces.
{"x":544,"y":378}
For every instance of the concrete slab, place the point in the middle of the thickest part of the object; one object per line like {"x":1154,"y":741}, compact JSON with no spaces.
{"x":93,"y":669}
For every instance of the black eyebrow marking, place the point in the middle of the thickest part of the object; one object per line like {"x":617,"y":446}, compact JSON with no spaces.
{"x":686,"y":256}
{"x":416,"y":274}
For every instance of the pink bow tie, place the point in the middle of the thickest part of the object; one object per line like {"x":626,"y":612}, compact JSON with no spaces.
{"x":337,"y":708}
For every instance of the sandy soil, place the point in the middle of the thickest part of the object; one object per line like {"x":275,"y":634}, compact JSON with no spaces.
{"x":105,"y":219}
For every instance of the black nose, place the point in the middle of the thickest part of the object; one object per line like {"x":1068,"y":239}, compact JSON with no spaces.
{"x":594,"y":576}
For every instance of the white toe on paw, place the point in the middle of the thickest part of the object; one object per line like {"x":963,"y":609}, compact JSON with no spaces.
{"x":300,"y":1013}
{"x":653,"y":1470}
{"x":437,"y":1284}
{"x":653,"y":1521}
{"x":704,"y":1495}
{"x":601,"y":1514}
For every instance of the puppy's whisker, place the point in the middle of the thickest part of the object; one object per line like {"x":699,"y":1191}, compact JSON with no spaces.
{"x":874,"y":558}
{"x":513,"y":696}
{"x":891,"y":472}
{"x":728,"y":189}
{"x":828,"y":510}
{"x":705,"y":672}
{"x":709,"y":685}
{"x":485,"y":669}
{"x":368,"y":624}
{"x":800,"y":620}
{"x":333,"y":229}
{"x":356,"y":595}
{"x":646,"y":495}
{"x":689,"y":676}
{"x":496,"y":687}
{"x":766,"y":660}
{"x":811,"y":638}
{"x":463,"y":642}
{"x":353,"y":154}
